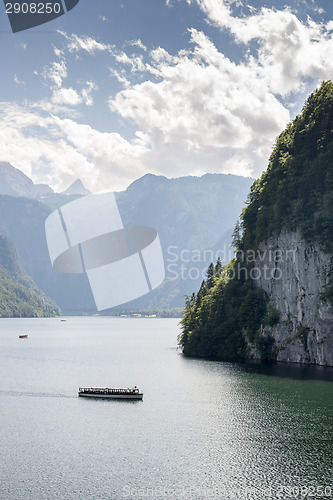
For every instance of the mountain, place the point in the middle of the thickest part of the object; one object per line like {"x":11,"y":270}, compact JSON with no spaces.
{"x":56,"y":200}
{"x":19,"y":295}
{"x":15,"y":183}
{"x":76,"y":188}
{"x":22,"y":220}
{"x":184,"y":211}
{"x":185,"y":270}
{"x":274,"y":301}
{"x":188,"y":212}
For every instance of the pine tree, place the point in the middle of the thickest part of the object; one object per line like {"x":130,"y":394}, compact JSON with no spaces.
{"x":210,"y":276}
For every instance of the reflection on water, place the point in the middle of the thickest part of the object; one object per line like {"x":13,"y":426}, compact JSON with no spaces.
{"x":204,"y":429}
{"x":294,"y":371}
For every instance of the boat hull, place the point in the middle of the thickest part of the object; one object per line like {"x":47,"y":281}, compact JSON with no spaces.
{"x":111,"y":396}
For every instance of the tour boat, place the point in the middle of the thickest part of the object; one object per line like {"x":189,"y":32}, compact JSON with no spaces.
{"x":23,"y":336}
{"x":110,"y":393}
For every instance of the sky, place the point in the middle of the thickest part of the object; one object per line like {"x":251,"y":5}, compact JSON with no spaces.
{"x":113,"y":89}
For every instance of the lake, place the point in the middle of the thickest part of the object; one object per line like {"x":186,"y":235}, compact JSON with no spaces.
{"x":203,"y":430}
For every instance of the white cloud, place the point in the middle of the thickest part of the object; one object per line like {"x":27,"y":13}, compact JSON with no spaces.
{"x":195,"y":111}
{"x":85,"y":43}
{"x":63,"y":98}
{"x":137,"y":43}
{"x":18,"y":81}
{"x":218,"y":11}
{"x":289,"y":52}
{"x":66,"y":96}
{"x":86,"y":93}
{"x":58,"y":151}
{"x":115,"y":159}
{"x":104,"y":19}
{"x":160,"y":55}
{"x":58,"y":52}
{"x":135,"y":62}
{"x":203,"y":112}
{"x":32,"y":144}
{"x":121,"y":77}
{"x":203,"y":107}
{"x":56,"y":72}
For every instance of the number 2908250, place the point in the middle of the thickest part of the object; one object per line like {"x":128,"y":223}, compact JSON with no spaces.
{"x":33,"y":8}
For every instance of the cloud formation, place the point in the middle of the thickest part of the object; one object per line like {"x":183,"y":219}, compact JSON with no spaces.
{"x":189,"y":112}
{"x":86,"y":43}
{"x":289,"y":50}
{"x":57,"y":151}
{"x":203,"y":102}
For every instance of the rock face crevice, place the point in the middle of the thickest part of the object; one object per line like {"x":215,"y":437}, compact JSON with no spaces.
{"x":294,"y":274}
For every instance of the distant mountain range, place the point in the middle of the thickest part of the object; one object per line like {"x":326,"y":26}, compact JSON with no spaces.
{"x":15,"y":183}
{"x":194,"y":217}
{"x":191,"y":214}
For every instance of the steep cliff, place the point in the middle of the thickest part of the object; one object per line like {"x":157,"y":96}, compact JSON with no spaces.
{"x":295,"y":276}
{"x":274,"y":301}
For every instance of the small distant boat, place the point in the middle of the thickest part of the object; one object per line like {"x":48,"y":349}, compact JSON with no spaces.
{"x":62,"y":320}
{"x":25,"y":336}
{"x":110,"y":393}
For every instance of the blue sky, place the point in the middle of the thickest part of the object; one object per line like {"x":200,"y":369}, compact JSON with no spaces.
{"x":115,"y":89}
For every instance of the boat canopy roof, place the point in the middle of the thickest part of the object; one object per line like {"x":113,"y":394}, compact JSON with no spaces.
{"x":109,"y":390}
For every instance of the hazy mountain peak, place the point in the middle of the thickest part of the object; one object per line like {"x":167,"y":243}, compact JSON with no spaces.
{"x":148,"y":180}
{"x":15,"y":183}
{"x":76,"y":187}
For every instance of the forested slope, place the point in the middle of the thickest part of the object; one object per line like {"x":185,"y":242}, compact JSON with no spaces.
{"x":19,"y":295}
{"x":237,"y":314}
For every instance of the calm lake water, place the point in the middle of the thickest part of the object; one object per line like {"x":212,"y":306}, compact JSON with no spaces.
{"x":204,"y":429}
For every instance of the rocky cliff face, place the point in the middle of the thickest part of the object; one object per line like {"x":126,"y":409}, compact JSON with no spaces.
{"x":294,"y":274}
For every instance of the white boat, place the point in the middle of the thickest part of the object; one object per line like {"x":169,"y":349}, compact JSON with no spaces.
{"x":110,"y":393}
